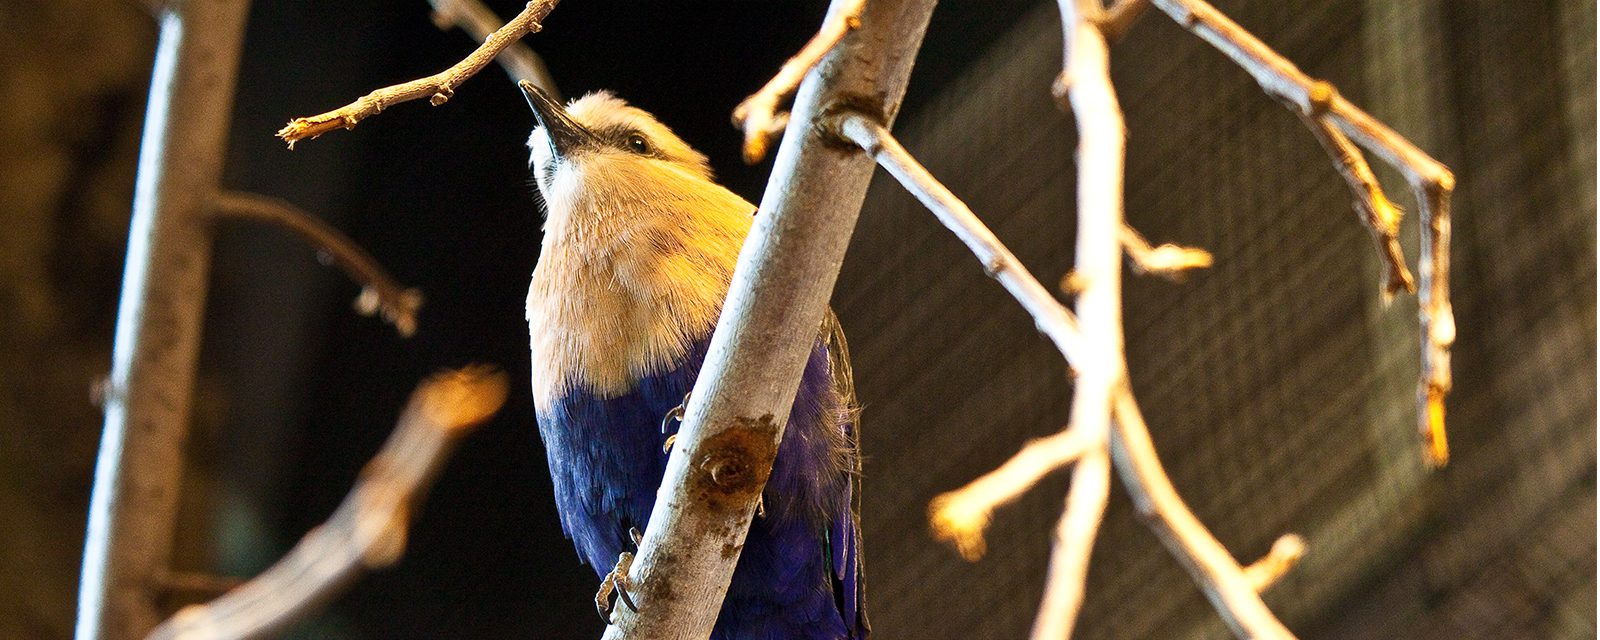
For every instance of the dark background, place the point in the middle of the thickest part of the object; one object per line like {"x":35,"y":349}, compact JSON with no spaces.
{"x":1278,"y":386}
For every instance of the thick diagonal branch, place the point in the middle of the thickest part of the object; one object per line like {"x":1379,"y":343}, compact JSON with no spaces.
{"x":758,"y":115}
{"x":440,"y":86}
{"x":775,"y":304}
{"x":1431,"y":182}
{"x":368,"y":530}
{"x":380,"y":292}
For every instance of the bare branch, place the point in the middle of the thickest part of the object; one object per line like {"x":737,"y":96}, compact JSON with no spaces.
{"x":758,"y":115}
{"x":519,"y":61}
{"x":1052,"y":319}
{"x":368,"y":530}
{"x":1169,"y":261}
{"x":1430,"y":180}
{"x":441,"y":86}
{"x":379,"y":291}
{"x":775,"y":304}
{"x":1285,"y":553}
{"x":1233,"y":594}
{"x":1380,"y":216}
{"x":961,"y":516}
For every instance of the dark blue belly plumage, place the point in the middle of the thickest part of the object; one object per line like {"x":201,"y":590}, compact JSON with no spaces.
{"x":798,"y":576}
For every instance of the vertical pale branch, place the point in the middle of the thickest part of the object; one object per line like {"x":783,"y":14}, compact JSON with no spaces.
{"x":140,"y":466}
{"x":1085,"y":83}
{"x":780,"y":290}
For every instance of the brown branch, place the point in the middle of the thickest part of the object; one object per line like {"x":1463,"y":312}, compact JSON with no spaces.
{"x":379,"y":291}
{"x":368,"y":530}
{"x":1378,"y":215}
{"x":441,"y":86}
{"x":1431,"y":182}
{"x":480,"y":22}
{"x":758,"y":115}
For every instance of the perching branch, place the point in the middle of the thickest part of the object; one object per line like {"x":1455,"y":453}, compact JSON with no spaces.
{"x":776,"y":302}
{"x":758,"y":115}
{"x":519,"y":61}
{"x":441,"y":86}
{"x":1431,"y":183}
{"x":379,"y":291}
{"x":368,"y":530}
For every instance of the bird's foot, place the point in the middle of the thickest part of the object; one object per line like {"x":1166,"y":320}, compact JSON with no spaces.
{"x":666,"y":447}
{"x":616,"y":581}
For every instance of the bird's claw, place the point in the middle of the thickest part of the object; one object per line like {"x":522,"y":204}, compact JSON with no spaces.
{"x":616,"y":581}
{"x":666,"y":447}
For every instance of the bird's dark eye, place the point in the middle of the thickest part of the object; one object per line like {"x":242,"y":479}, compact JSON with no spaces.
{"x":638,"y":144}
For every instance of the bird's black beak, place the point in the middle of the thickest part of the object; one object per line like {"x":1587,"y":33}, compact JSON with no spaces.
{"x":565,"y":134}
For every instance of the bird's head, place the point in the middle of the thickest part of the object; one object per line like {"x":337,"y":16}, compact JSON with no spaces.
{"x":598,"y":150}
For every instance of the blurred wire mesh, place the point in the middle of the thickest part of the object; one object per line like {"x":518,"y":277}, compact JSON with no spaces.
{"x":1279,"y":386}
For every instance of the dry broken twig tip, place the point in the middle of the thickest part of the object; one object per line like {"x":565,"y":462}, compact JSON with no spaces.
{"x":1284,"y":554}
{"x":1169,"y":261}
{"x":758,"y":116}
{"x":368,"y":530}
{"x":380,"y":293}
{"x":440,"y":86}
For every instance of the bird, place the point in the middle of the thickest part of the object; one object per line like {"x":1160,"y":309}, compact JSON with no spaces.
{"x":637,"y":255}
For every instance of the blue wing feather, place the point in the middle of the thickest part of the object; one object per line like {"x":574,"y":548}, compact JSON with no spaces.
{"x":799,"y":573}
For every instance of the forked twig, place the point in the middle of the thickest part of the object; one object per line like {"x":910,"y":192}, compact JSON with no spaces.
{"x":1431,"y":183}
{"x":441,"y":86}
{"x":1378,"y":215}
{"x":368,"y":530}
{"x":758,"y":116}
{"x":380,"y":293}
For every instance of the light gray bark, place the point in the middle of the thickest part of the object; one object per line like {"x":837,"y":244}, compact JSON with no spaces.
{"x":780,"y":289}
{"x":140,"y":465}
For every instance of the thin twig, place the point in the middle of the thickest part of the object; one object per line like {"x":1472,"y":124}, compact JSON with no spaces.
{"x":1232,"y":593}
{"x":368,"y":530}
{"x":960,"y":517}
{"x":1380,"y":216}
{"x":1431,"y":182}
{"x":1284,"y":554}
{"x":1169,"y":261}
{"x":441,"y":86}
{"x":518,"y":59}
{"x":758,"y":115}
{"x":379,"y":291}
{"x":1052,"y":319}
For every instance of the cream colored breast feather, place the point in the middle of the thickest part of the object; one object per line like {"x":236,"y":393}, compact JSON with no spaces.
{"x":635,"y":263}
